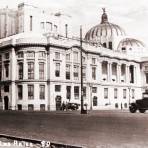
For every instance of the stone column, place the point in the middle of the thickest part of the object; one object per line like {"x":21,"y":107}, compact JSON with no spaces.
{"x":118,"y":73}
{"x":109,"y":71}
{"x":36,"y":67}
{"x":25,"y":67}
{"x":127,"y":74}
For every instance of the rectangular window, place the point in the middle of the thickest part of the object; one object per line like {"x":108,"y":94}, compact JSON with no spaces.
{"x":0,"y":58}
{"x":41,"y":70}
{"x":105,"y":93}
{"x":48,"y":26}
{"x":42,"y":107}
{"x":30,"y":107}
{"x":93,"y":60}
{"x":42,"y":54}
{"x":67,"y":71}
{"x":30,"y":70}
{"x":133,"y":93}
{"x":6,"y":88}
{"x":110,"y":45}
{"x":83,"y":59}
{"x":6,"y":55}
{"x":94,"y":73}
{"x":42,"y":25}
{"x":20,"y":92}
{"x":6,"y":70}
{"x":124,"y":93}
{"x":68,"y":94}
{"x":57,"y":55}
{"x":57,"y":88}
{"x":146,"y":75}
{"x":94,"y":89}
{"x":20,"y":55}
{"x":31,"y":23}
{"x":115,"y":93}
{"x":30,"y":54}
{"x":76,"y":72}
{"x":30,"y":92}
{"x":75,"y":56}
{"x":76,"y":92}
{"x":57,"y":70}
{"x":68,"y":57}
{"x":84,"y":73}
{"x":84,"y":92}
{"x":20,"y":70}
{"x":42,"y":91}
{"x":55,"y":28}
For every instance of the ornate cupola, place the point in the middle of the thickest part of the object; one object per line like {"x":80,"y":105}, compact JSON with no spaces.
{"x":104,"y":18}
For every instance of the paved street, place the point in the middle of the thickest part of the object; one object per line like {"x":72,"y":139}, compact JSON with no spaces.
{"x":101,"y":129}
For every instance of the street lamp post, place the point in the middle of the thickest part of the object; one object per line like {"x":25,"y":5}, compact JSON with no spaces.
{"x":82,"y":101}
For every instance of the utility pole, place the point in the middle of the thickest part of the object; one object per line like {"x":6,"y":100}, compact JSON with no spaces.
{"x":82,"y":102}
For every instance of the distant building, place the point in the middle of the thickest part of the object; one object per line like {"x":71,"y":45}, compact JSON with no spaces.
{"x":40,"y":62}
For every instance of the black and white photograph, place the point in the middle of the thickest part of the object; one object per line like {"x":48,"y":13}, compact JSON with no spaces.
{"x":73,"y":74}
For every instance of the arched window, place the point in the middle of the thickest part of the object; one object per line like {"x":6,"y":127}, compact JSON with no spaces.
{"x":95,"y":101}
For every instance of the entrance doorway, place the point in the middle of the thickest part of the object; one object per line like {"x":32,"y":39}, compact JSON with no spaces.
{"x":58,"y":102}
{"x":6,"y":103}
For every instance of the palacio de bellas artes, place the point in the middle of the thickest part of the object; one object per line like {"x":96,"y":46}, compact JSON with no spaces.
{"x":40,"y":61}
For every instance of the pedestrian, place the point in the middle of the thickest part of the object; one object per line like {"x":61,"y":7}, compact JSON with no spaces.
{"x":121,"y":106}
{"x":63,"y":106}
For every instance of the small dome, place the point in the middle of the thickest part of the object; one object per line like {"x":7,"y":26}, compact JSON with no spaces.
{"x":130,"y":42}
{"x":105,"y":28}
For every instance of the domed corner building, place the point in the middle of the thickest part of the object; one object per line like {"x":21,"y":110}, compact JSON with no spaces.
{"x":40,"y":64}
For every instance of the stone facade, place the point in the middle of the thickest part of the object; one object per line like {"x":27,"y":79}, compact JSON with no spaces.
{"x":41,"y":71}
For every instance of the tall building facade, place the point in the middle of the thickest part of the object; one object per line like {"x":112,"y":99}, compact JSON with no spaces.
{"x":40,"y":63}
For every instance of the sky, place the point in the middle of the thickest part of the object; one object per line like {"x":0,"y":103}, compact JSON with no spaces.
{"x":131,"y":15}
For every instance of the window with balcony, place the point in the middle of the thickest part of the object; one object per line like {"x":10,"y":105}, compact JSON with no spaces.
{"x":41,"y":70}
{"x":67,"y":71}
{"x":30,"y":70}
{"x":20,"y":70}
{"x":76,"y":92}
{"x":42,"y":91}
{"x":30,"y":92}
{"x":20,"y":92}
{"x":57,"y":70}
